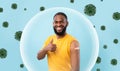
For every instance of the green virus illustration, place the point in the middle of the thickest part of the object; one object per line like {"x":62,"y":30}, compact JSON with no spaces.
{"x":18,"y":35}
{"x":3,"y":53}
{"x":72,"y":1}
{"x":105,"y":46}
{"x":14,"y":6}
{"x":42,"y":8}
{"x":116,"y":16}
{"x":114,"y":61}
{"x":1,"y":9}
{"x":98,"y":60}
{"x":103,"y":27}
{"x":115,"y":41}
{"x":101,"y":0}
{"x":98,"y":69}
{"x":25,"y":9}
{"x":90,"y":10}
{"x":21,"y":65}
{"x":5,"y":24}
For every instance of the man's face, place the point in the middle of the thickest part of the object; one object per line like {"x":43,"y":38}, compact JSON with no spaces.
{"x":60,"y":23}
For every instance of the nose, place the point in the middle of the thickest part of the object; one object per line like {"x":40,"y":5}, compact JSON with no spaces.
{"x":59,"y":24}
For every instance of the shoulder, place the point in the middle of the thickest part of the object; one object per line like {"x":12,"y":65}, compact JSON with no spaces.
{"x":75,"y":46}
{"x":73,"y":40}
{"x":75,"y":43}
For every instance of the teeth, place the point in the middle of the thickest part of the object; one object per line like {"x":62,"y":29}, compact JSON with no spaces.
{"x":59,"y":28}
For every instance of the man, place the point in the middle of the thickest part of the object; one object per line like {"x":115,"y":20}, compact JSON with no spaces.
{"x":62,"y":49}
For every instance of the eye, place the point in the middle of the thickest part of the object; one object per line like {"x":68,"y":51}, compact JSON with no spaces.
{"x":55,"y":22}
{"x":62,"y":21}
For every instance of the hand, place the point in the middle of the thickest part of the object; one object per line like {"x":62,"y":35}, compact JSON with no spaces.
{"x":51,"y":47}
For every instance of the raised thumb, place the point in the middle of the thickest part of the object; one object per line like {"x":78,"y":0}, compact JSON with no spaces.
{"x":51,"y":41}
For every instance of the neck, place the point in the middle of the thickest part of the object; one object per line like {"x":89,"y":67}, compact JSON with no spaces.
{"x":60,"y":36}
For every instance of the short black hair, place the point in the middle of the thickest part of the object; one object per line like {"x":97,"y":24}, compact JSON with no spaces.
{"x":61,"y":13}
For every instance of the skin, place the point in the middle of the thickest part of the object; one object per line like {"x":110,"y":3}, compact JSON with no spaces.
{"x":59,"y":23}
{"x":75,"y":55}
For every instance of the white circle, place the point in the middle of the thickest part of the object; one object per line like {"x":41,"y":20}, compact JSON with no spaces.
{"x":40,"y":27}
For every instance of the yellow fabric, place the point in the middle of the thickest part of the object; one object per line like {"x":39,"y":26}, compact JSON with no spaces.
{"x":60,"y":59}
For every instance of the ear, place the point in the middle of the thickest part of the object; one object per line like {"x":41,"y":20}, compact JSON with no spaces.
{"x":67,"y":23}
{"x":53,"y":23}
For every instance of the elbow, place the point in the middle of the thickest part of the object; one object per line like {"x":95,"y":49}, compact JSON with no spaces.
{"x":39,"y":57}
{"x":75,"y":69}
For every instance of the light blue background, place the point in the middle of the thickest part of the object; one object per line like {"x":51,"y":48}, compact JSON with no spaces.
{"x":18,"y":19}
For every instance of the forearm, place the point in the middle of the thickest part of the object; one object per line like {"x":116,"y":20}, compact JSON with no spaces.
{"x":75,"y":63}
{"x":76,"y":67}
{"x":41,"y":54}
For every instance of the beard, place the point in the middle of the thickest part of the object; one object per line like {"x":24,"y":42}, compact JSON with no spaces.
{"x":60,"y":33}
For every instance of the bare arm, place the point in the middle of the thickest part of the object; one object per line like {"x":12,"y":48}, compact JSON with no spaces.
{"x":75,"y":56}
{"x":41,"y":54}
{"x":50,"y":47}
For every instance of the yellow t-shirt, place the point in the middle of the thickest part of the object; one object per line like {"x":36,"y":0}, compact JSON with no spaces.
{"x":60,"y":59}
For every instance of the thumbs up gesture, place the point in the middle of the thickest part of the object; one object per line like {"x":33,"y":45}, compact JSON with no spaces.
{"x":51,"y":47}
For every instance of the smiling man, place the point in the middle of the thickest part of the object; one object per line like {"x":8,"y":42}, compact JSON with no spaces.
{"x":62,"y":49}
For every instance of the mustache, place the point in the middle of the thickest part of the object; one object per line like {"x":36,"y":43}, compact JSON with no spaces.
{"x":59,"y":26}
